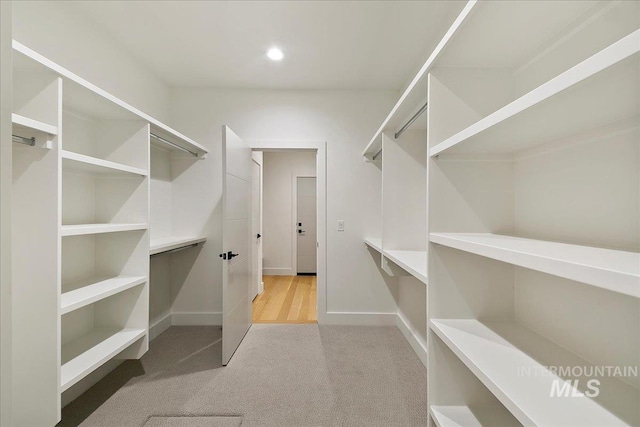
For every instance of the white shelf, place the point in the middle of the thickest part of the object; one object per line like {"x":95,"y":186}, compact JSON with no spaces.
{"x":90,"y":291}
{"x":78,"y":87}
{"x":33,"y":125}
{"x":476,"y":416}
{"x":82,"y":229}
{"x":374,"y":243}
{"x":82,"y":356}
{"x":617,"y":271}
{"x":529,"y":120}
{"x":81,"y":163}
{"x":413,"y":262}
{"x":499,"y":353}
{"x":166,"y":244}
{"x":414,"y":95}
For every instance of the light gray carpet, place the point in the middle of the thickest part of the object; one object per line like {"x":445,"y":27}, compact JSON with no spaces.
{"x":282,"y":375}
{"x":193,"y":422}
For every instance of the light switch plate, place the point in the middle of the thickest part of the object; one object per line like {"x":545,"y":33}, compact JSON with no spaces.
{"x":340,"y":225}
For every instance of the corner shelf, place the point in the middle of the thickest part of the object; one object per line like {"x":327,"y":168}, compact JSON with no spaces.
{"x":82,"y":163}
{"x":532,"y":114}
{"x":618,"y":271}
{"x":413,"y":262}
{"x":167,"y":244}
{"x":497,"y":351}
{"x":84,"y":355}
{"x":475,"y":416}
{"x":33,"y":125}
{"x":93,"y":290}
{"x":374,"y":243}
{"x":83,"y":229}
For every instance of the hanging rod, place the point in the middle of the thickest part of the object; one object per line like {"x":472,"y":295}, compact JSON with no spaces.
{"x":411,"y":120}
{"x":170,"y":251}
{"x":161,"y":139}
{"x":376,"y":155}
{"x":22,"y":140}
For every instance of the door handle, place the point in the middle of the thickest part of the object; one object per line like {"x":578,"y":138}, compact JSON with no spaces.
{"x":258,"y":235}
{"x":228,"y":256}
{"x":300,"y":231}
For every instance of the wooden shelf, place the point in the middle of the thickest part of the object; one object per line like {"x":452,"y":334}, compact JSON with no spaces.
{"x":87,"y":164}
{"x":374,"y":243}
{"x":33,"y":125}
{"x":93,"y":290}
{"x":166,"y":244}
{"x":618,"y":271}
{"x":476,"y":416}
{"x":565,"y":105}
{"x":83,"y":229}
{"x":413,"y":262}
{"x":512,"y":362}
{"x":82,"y":356}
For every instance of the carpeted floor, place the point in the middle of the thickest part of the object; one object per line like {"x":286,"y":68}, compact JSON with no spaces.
{"x":282,"y":375}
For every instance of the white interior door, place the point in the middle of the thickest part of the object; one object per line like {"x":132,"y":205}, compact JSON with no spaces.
{"x":236,"y":242}
{"x":306,"y":225}
{"x":256,"y":236}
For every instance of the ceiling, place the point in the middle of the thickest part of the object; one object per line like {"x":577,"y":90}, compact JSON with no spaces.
{"x":328,"y":44}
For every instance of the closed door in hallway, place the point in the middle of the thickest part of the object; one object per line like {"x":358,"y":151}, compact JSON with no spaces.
{"x":306,"y":226}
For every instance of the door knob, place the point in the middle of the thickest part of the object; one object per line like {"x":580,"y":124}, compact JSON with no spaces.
{"x":258,"y":235}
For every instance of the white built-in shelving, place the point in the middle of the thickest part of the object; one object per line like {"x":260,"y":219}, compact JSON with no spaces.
{"x":84,"y":229}
{"x":82,"y":163}
{"x":472,"y":416}
{"x":374,"y":243}
{"x":540,"y":115}
{"x":33,"y":125}
{"x":88,"y":291}
{"x":533,"y":251}
{"x":82,"y":210}
{"x":168,"y":244}
{"x":83,"y":355}
{"x":514,"y":364}
{"x":413,"y":262}
{"x":618,"y":271}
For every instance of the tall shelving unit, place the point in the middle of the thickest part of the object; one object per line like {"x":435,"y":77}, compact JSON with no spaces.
{"x":533,"y":212}
{"x":81,"y":238}
{"x":534,"y":201}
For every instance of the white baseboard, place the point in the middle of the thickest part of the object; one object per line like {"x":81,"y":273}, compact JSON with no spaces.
{"x":196,"y":319}
{"x":279,"y":272}
{"x":416,"y":341}
{"x":159,"y":327}
{"x":359,"y":319}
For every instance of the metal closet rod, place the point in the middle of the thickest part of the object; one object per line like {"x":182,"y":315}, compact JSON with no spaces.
{"x":161,"y":139}
{"x":22,"y":140}
{"x":170,"y":251}
{"x":411,"y":120}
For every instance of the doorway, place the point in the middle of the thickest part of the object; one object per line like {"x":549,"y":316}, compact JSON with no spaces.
{"x":289,"y":238}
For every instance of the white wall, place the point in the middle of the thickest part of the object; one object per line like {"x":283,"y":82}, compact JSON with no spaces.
{"x":279,"y":169}
{"x":5,"y":213}
{"x":63,"y":35}
{"x":346,"y":120}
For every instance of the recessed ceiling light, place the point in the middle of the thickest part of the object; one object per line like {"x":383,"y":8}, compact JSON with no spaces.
{"x":275,"y":54}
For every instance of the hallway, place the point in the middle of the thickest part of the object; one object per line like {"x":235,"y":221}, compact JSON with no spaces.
{"x":287,"y":299}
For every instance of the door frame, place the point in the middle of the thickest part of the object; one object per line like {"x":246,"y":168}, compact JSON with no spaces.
{"x":320,"y":147}
{"x":294,"y":215}
{"x":259,"y":162}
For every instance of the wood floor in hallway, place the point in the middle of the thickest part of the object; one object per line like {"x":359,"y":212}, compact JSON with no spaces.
{"x":286,"y":299}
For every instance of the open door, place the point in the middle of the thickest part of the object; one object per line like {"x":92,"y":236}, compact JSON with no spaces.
{"x":236,"y":242}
